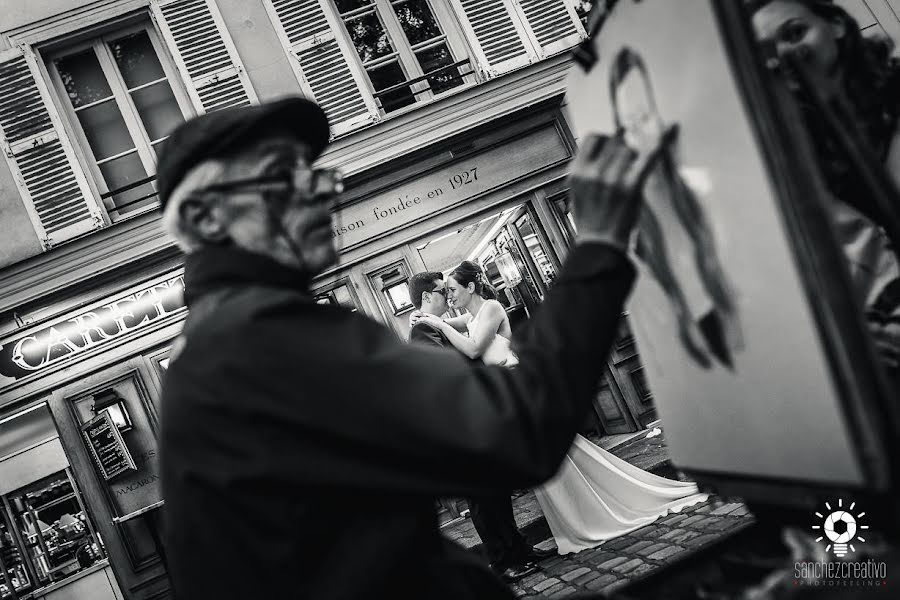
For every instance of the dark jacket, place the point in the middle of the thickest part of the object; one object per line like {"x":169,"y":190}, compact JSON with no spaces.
{"x":303,"y":445}
{"x":428,"y":335}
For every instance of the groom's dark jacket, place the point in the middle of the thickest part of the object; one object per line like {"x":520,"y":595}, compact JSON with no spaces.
{"x":303,"y":445}
{"x":429,"y":335}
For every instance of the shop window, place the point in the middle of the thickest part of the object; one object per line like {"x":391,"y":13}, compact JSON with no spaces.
{"x":47,"y":533}
{"x":119,"y":94}
{"x":340,"y":293}
{"x":403,"y":49}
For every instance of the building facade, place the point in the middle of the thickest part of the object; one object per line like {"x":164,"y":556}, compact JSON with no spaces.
{"x":448,"y":120}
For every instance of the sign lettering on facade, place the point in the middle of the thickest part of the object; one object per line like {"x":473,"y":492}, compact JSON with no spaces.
{"x":27,"y":354}
{"x":446,"y":187}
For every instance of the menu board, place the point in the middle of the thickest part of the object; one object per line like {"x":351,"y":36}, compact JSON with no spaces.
{"x":110,"y":453}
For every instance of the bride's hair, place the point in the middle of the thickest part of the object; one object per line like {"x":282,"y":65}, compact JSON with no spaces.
{"x":468,"y":272}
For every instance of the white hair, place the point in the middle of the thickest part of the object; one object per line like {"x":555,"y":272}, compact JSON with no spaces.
{"x":206,"y":173}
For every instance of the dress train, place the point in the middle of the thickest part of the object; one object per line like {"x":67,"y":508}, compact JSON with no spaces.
{"x":597,"y":496}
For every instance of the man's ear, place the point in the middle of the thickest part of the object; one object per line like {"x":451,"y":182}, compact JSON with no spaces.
{"x":200,"y":216}
{"x":422,"y":299}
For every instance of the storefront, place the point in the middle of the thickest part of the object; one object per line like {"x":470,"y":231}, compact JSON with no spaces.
{"x":496,"y":196}
{"x":80,"y":389}
{"x":79,"y":483}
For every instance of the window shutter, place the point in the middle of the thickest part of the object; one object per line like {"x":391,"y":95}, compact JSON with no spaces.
{"x":322,"y":61}
{"x":554,"y":25}
{"x":40,"y":156}
{"x":204,"y":53}
{"x":499,"y":39}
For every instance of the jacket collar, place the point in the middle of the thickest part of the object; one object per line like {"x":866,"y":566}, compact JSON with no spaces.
{"x":214,"y":268}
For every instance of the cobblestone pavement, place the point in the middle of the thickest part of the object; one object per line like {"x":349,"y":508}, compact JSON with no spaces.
{"x":618,"y":561}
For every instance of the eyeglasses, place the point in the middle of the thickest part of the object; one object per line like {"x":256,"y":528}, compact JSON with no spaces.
{"x":311,"y":185}
{"x":442,"y":291}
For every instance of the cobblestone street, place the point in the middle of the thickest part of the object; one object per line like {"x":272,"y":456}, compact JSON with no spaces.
{"x":618,"y":561}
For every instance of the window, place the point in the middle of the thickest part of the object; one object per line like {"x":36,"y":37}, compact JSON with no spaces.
{"x":403,"y":49}
{"x":53,"y":526}
{"x":45,"y":532}
{"x":340,"y":293}
{"x":391,"y":282}
{"x":120,"y":96}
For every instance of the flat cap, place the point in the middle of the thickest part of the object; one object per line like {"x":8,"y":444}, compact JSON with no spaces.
{"x":217,"y":134}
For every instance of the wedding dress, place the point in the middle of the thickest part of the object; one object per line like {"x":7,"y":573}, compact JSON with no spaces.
{"x":596,"y":496}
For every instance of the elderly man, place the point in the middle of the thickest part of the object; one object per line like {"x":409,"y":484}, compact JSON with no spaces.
{"x":303,"y":445}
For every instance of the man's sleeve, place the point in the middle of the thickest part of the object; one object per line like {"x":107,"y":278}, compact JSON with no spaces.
{"x":426,"y":335}
{"x":368,"y":411}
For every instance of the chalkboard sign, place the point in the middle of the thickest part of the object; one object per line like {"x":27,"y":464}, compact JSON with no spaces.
{"x":107,"y":446}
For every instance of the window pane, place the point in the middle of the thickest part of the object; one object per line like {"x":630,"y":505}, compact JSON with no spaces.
{"x":417,"y":20}
{"x":158,"y":109}
{"x":348,"y":5}
{"x":55,"y":528}
{"x":369,"y":37}
{"x":399,"y":295}
{"x":12,"y":559}
{"x":386,"y":76}
{"x":105,"y":129}
{"x":83,"y":78}
{"x":121,"y":172}
{"x":434,"y":58}
{"x":137,"y":59}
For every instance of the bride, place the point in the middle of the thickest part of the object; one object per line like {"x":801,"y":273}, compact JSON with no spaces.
{"x":595,"y":496}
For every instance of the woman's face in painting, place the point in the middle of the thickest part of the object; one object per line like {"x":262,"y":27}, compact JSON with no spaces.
{"x":637,"y":113}
{"x":795,"y":29}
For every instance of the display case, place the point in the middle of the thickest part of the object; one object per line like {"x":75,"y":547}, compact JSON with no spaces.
{"x":47,"y":529}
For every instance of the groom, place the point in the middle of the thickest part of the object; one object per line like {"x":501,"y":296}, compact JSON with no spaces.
{"x":508,"y":552}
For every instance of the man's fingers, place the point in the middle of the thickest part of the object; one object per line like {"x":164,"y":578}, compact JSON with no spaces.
{"x":620,"y":159}
{"x":645,"y":162}
{"x":588,"y":150}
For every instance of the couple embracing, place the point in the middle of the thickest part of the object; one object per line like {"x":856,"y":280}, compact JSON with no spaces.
{"x":595,"y":496}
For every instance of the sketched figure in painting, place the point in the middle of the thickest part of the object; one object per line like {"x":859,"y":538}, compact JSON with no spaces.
{"x":674,"y":237}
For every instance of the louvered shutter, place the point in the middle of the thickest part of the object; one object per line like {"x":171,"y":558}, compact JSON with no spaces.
{"x":553,"y":24}
{"x":204,"y":53}
{"x":497,"y":34}
{"x":40,"y":156}
{"x":322,"y":61}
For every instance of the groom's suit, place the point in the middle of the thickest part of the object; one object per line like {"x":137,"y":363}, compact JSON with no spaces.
{"x":492,"y":515}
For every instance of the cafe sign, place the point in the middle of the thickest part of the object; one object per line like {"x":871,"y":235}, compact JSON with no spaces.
{"x":26,"y":354}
